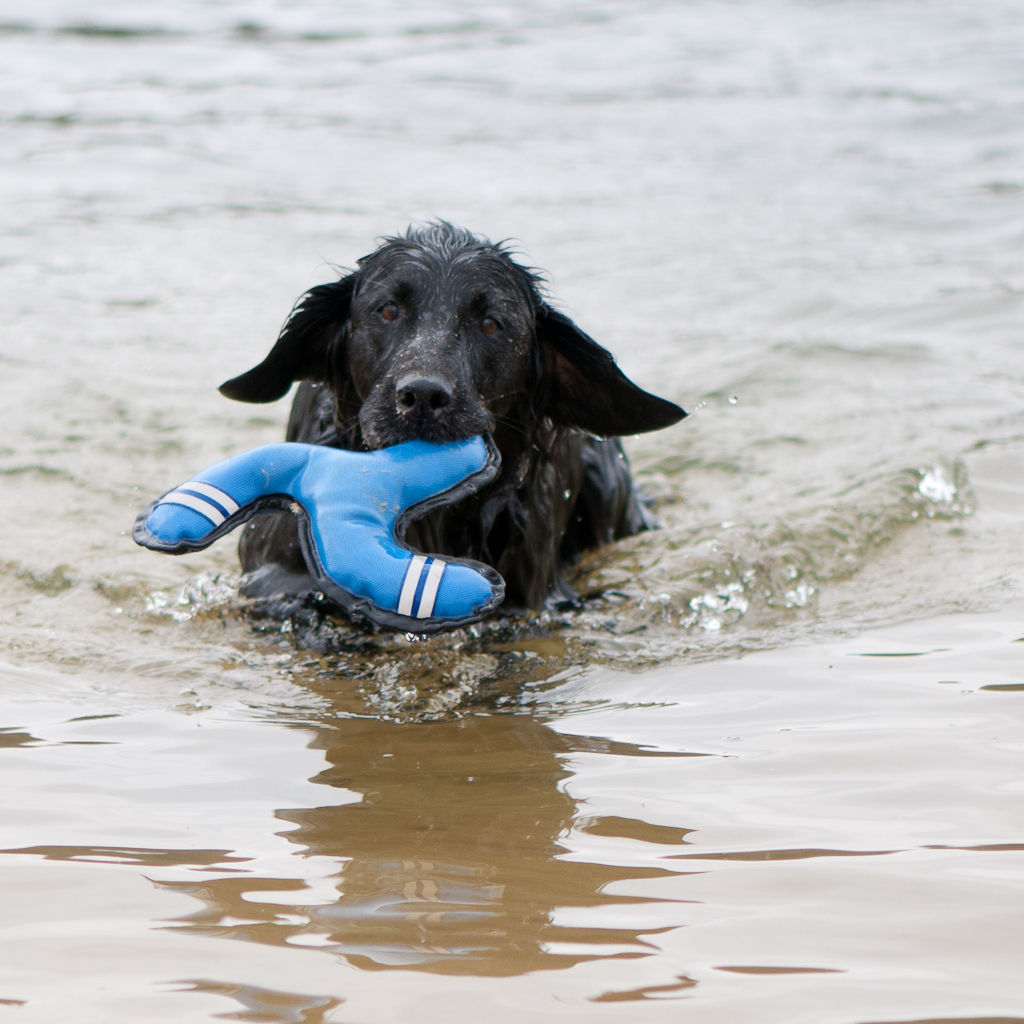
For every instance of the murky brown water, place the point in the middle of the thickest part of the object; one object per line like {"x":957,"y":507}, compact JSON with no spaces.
{"x":772,"y":770}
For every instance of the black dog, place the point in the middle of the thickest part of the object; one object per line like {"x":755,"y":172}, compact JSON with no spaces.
{"x":440,"y":335}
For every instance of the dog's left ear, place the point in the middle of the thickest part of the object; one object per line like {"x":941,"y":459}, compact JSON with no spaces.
{"x":584,"y":388}
{"x":303,"y":349}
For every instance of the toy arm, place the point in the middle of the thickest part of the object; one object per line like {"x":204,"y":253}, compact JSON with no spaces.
{"x":212,"y":503}
{"x":352,"y":509}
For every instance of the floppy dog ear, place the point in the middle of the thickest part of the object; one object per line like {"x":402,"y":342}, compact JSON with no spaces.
{"x":586,"y":389}
{"x":303,"y":348}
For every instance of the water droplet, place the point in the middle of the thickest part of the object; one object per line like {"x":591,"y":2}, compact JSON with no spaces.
{"x":566,"y":494}
{"x":733,"y":400}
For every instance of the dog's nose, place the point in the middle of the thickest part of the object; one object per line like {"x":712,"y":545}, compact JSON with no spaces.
{"x":422,"y":397}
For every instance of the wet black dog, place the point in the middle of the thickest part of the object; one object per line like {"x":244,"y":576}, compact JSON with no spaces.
{"x":440,"y":335}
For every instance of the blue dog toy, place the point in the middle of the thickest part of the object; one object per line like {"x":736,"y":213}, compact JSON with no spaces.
{"x":353,"y":510}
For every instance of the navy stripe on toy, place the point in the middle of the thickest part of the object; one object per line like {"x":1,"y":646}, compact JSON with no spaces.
{"x":422,"y":582}
{"x":197,"y":504}
{"x":430,"y":585}
{"x":419,"y":591}
{"x":209,"y":491}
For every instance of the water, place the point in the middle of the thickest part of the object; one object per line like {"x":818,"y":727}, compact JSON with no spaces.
{"x":706,"y":793}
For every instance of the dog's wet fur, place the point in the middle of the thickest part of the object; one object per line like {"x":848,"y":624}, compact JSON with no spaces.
{"x":440,"y":335}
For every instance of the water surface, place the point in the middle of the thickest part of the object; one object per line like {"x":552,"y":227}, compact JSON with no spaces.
{"x":770,"y":770}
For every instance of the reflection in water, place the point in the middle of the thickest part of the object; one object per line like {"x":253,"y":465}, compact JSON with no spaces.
{"x":957,"y":1020}
{"x":451,"y":858}
{"x":659,"y":992}
{"x":213,"y":859}
{"x":781,"y":970}
{"x":15,"y":738}
{"x":266,"y":1005}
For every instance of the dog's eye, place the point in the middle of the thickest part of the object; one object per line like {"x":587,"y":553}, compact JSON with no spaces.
{"x":489,"y":325}
{"x":389,"y":311}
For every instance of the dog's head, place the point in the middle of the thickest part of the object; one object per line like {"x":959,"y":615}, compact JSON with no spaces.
{"x":440,"y":335}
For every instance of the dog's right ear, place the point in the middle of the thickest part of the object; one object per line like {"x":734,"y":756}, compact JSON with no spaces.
{"x":303,"y":349}
{"x":585,"y":389}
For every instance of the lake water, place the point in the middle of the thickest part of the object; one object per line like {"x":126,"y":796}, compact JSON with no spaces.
{"x":772,"y":770}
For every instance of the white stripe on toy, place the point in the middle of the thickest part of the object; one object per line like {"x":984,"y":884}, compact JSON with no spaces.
{"x":212,"y":492}
{"x":204,"y":508}
{"x":412,"y":581}
{"x":430,"y":589}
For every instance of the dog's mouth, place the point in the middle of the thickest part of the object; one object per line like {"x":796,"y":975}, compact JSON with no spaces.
{"x":420,"y":417}
{"x":439,"y":433}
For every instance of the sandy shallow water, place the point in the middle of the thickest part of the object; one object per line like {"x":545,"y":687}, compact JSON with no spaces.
{"x":772,"y":770}
{"x":823,"y":833}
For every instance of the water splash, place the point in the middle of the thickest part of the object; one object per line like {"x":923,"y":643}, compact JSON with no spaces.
{"x":203,"y":593}
{"x":679,"y":591}
{"x":703,"y":579}
{"x":936,"y":486}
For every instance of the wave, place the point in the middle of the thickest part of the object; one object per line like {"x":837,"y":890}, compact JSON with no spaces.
{"x":704,"y":579}
{"x":679,"y":591}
